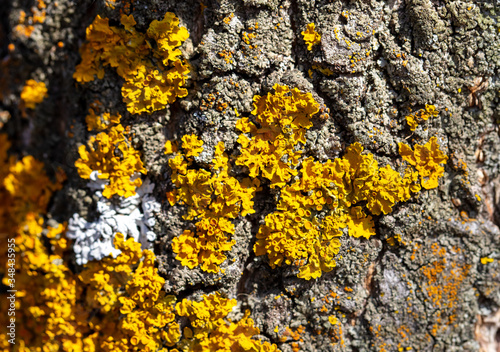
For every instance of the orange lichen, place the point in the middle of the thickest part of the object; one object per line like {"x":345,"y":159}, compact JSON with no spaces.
{"x":154,"y":77}
{"x":210,"y":330}
{"x":100,"y":122}
{"x":25,"y":25}
{"x":311,"y":213}
{"x":33,"y":93}
{"x":422,"y":115}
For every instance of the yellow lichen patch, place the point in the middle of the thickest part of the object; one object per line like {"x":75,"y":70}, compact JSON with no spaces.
{"x":210,"y":330}
{"x":306,"y":228}
{"x":100,"y":122}
{"x":154,"y":76}
{"x":137,"y":315}
{"x":110,"y":154}
{"x":311,"y":37}
{"x":33,"y":93}
{"x":116,"y":304}
{"x":486,"y":260}
{"x":444,"y":278}
{"x":46,"y":290}
{"x":273,"y":150}
{"x":427,"y":159}
{"x":414,"y":119}
{"x":213,"y":198}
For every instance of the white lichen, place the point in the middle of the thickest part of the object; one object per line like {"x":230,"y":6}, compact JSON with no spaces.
{"x":132,"y":216}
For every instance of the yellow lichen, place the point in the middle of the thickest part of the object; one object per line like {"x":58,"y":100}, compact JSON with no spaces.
{"x":486,"y":260}
{"x":154,"y":76}
{"x":100,"y":122}
{"x":210,"y":330}
{"x":25,"y":25}
{"x":306,"y":228}
{"x":213,"y":198}
{"x":33,"y":93}
{"x":127,"y":290}
{"x":110,"y":154}
{"x":311,"y":37}
{"x":422,"y":115}
{"x":273,"y":150}
{"x":427,"y":159}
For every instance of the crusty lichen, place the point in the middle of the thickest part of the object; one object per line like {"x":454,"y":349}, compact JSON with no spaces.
{"x":154,"y":77}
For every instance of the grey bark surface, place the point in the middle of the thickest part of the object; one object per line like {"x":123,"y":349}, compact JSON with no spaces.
{"x":427,"y":292}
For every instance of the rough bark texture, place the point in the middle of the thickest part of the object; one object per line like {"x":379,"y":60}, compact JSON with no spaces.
{"x":427,"y":292}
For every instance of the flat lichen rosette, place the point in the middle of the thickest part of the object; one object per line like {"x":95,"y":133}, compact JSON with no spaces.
{"x":213,"y":198}
{"x":427,"y":159}
{"x":276,"y":143}
{"x":312,"y":212}
{"x":155,"y":75}
{"x":110,"y":154}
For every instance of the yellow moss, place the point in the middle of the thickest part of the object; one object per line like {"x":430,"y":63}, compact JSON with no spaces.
{"x":33,"y":93}
{"x":154,"y":76}
{"x":311,"y":37}
{"x":110,"y":154}
{"x":427,"y":159}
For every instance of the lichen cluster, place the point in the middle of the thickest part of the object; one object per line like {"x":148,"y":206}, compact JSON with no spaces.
{"x":33,"y":93}
{"x":427,"y":160}
{"x":316,"y":201}
{"x":213,"y":198}
{"x":154,"y":76}
{"x":97,"y":121}
{"x":414,"y":119}
{"x":210,"y":330}
{"x":305,"y":229}
{"x":116,"y":304}
{"x":111,"y":155}
{"x":275,"y":147}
